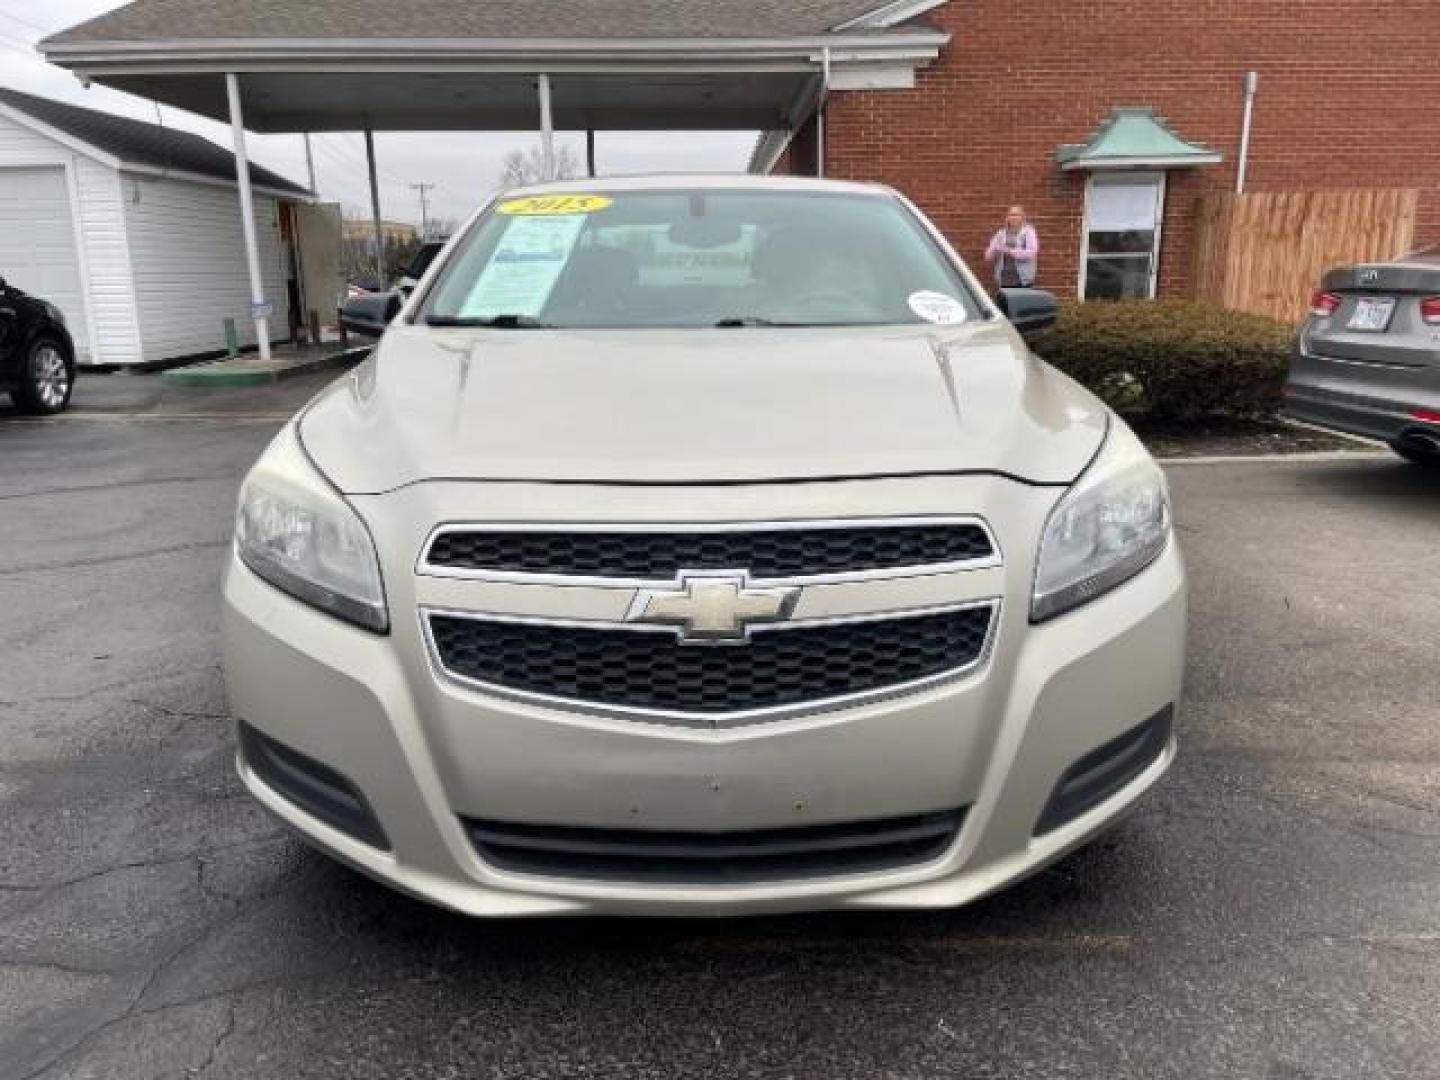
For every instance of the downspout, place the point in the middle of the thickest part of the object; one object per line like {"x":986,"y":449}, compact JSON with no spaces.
{"x":1252,"y":82}
{"x":820,"y":112}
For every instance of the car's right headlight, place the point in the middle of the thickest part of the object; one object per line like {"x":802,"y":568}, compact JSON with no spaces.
{"x":1112,"y":523}
{"x":295,"y":530}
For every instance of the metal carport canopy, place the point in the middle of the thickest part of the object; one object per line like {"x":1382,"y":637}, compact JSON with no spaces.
{"x":431,"y":65}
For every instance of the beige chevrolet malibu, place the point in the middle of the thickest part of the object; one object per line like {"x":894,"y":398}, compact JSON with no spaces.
{"x":703,"y":546}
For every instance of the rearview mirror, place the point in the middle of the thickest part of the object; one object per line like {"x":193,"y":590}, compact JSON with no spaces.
{"x":1028,"y":309}
{"x":705,"y":233}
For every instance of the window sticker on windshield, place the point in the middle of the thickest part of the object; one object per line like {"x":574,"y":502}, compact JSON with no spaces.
{"x":550,"y":205}
{"x":527,"y":262}
{"x":937,"y":308}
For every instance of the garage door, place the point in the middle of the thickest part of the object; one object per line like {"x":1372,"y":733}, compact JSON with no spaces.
{"x":37,"y":241}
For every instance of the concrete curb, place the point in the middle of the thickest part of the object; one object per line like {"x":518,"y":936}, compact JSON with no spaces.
{"x":249,"y":372}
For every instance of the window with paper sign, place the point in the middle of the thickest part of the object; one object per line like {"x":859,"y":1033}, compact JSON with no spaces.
{"x":1121,"y":243}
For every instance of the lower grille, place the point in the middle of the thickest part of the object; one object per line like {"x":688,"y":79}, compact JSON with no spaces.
{"x":647,"y":670}
{"x":1105,"y":770}
{"x":316,"y":788}
{"x":715,"y":858}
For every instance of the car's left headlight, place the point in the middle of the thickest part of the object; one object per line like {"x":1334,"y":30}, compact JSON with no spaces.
{"x":1112,"y":523}
{"x":295,"y":530}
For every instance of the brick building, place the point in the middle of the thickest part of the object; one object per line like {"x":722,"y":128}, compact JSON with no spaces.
{"x":1106,"y":119}
{"x":1345,"y":98}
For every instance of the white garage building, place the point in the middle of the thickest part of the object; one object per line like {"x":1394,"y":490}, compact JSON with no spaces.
{"x":133,"y":230}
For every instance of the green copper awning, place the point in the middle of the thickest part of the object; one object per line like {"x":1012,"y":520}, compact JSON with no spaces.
{"x":1134,"y":138}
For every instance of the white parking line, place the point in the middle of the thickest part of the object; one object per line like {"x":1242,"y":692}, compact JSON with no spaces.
{"x":121,"y":417}
{"x":1260,"y":459}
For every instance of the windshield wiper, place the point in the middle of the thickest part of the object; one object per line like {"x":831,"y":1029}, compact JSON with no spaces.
{"x":497,"y":322}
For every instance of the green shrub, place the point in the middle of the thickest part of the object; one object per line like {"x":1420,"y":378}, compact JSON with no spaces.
{"x":1171,"y":362}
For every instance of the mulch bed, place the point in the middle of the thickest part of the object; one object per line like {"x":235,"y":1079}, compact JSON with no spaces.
{"x":1244,"y":437}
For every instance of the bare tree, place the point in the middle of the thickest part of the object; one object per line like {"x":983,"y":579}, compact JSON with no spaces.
{"x":528,"y":166}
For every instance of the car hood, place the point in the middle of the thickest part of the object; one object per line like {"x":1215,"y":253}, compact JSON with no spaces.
{"x":688,"y":406}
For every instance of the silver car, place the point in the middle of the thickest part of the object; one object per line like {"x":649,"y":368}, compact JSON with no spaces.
{"x":703,"y":546}
{"x":1368,"y":357}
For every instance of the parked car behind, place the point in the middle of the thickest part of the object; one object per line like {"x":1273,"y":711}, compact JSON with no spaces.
{"x":37,"y":356}
{"x":369,"y":313}
{"x":697,"y":545}
{"x":1367,"y":361}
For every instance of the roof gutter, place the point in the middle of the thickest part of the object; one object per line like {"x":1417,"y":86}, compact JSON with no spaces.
{"x":239,"y":53}
{"x":256,"y":186}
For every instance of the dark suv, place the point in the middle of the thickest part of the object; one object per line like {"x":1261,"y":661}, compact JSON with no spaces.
{"x":37,"y":357}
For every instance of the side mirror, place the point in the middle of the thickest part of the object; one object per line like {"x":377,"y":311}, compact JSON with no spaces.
{"x":1028,"y":309}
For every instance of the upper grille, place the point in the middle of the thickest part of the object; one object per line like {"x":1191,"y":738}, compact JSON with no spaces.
{"x":765,"y":552}
{"x":651,"y":670}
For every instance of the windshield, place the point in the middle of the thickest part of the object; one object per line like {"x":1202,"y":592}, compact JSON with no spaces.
{"x":695,"y":259}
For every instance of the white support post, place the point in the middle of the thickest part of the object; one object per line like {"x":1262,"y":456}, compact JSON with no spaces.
{"x":375,"y":208}
{"x":258,"y":308}
{"x":310,"y":165}
{"x":547,"y":128}
{"x":820,"y":114}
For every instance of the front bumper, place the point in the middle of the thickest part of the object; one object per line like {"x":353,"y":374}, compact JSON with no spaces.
{"x":427,"y":754}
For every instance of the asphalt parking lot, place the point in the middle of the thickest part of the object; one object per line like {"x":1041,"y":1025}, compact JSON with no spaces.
{"x":1272,"y":911}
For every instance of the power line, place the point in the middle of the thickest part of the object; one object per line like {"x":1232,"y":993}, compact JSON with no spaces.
{"x":23,"y":22}
{"x":20,"y":45}
{"x":336,"y":158}
{"x":386,"y":175}
{"x":349,"y":159}
{"x":391,"y":177}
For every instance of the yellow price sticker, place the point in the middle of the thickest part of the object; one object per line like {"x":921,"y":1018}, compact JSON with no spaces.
{"x":545,"y":205}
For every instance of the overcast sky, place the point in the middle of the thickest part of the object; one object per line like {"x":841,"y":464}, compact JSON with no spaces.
{"x":463,"y":166}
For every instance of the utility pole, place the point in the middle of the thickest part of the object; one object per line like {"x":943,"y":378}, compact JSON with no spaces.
{"x":424,"y":189}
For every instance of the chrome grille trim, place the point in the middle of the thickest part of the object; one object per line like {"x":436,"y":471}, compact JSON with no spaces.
{"x":713,"y":720}
{"x":425,"y":568}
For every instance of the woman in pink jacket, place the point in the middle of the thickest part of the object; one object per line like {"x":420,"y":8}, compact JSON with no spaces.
{"x":1013,"y":251}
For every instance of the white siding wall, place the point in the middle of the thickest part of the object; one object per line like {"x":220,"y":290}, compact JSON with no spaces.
{"x":106,"y":259}
{"x":187,"y":251}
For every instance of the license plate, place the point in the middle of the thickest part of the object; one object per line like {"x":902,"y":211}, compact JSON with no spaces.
{"x":1371,"y":314}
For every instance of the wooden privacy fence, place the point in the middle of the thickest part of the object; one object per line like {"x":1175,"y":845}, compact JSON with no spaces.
{"x":1266,"y":252}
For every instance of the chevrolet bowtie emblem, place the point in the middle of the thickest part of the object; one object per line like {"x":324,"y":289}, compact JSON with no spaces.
{"x":712,"y":608}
